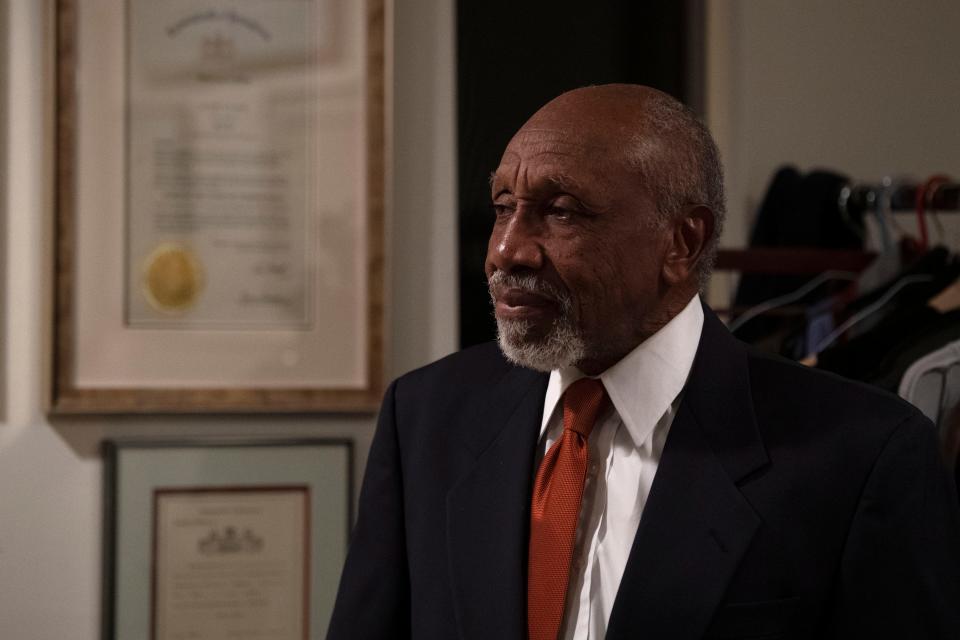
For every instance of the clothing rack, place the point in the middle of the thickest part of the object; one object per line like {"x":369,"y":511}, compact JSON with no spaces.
{"x":792,"y":260}
{"x":938,"y":194}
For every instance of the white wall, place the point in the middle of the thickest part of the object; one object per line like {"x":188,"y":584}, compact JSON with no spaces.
{"x":51,"y":473}
{"x":866,"y":87}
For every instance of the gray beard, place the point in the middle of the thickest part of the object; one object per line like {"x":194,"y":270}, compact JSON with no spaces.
{"x":562,"y":346}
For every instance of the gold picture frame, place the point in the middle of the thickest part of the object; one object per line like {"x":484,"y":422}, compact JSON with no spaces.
{"x":131,"y":227}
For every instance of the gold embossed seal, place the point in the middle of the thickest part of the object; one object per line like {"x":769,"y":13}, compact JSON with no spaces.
{"x":172,"y":278}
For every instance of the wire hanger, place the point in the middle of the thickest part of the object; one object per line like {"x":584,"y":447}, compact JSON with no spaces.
{"x":787,"y":298}
{"x":870,"y":310}
{"x":931,"y":197}
{"x":922,"y":201}
{"x":882,"y":211}
{"x":843,"y":206}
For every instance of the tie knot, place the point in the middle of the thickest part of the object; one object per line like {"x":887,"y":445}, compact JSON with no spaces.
{"x":582,"y":403}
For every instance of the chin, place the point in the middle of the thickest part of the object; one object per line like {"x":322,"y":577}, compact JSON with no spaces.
{"x":523,"y":344}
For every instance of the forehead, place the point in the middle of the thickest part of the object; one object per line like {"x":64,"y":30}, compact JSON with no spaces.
{"x":561,"y":157}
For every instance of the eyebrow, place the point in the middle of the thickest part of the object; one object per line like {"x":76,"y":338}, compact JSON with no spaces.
{"x":561,"y":181}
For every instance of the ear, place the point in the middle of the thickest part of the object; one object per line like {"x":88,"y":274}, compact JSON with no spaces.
{"x":688,"y":239}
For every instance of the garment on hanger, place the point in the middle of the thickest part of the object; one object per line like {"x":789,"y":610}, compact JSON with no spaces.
{"x":937,"y":262}
{"x":932,"y":383}
{"x":798,"y":210}
{"x":789,"y":331}
{"x":879,"y":334}
{"x":882,"y":356}
{"x":891,"y":255}
{"x":820,"y":323}
{"x":899,"y":327}
{"x":799,"y":337}
{"x":894,"y":366}
{"x":790,"y":298}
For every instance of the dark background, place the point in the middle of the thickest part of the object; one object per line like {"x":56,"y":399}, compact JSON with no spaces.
{"x":514,"y":56}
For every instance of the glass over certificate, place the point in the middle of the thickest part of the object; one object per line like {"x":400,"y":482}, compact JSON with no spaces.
{"x":231,"y":563}
{"x":220,"y":206}
{"x":223,"y":105}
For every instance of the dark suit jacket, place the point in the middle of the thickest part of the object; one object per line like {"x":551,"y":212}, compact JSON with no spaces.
{"x":788,"y":503}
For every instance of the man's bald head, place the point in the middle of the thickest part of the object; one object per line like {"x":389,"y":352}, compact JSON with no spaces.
{"x":658,"y":137}
{"x":606,"y":212}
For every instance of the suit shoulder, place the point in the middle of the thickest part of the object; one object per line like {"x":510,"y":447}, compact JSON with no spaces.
{"x":471,"y":367}
{"x":440,"y":398}
{"x":816,"y":393}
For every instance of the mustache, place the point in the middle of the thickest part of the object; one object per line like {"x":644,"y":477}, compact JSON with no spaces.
{"x":528,"y":283}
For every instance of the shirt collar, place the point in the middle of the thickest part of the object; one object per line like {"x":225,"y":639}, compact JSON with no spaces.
{"x":643,"y":384}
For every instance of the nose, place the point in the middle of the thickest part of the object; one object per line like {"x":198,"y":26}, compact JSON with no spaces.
{"x":515,"y":244}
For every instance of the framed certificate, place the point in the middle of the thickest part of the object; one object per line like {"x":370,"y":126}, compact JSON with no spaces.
{"x":220,"y":189}
{"x":217,"y":540}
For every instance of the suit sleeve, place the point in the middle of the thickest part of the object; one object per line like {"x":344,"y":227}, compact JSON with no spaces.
{"x":373,"y":600}
{"x":900,"y":572}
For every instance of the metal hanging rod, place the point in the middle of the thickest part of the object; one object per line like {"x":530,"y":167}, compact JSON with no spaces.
{"x":941,"y":196}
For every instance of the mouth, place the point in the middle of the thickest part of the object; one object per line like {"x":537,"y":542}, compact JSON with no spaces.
{"x":520,"y":304}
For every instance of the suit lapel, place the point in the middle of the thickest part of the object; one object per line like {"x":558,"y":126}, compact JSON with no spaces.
{"x":488,"y":511}
{"x":696,"y":525}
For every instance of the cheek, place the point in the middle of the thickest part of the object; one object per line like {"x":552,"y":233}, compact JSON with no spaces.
{"x":616,"y":281}
{"x":595,"y":280}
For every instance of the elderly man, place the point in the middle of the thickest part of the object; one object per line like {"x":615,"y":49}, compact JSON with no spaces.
{"x":621,"y":467}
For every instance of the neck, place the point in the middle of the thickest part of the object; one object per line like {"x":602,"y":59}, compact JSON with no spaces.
{"x":597,"y":363}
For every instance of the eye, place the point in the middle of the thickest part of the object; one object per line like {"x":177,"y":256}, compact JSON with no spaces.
{"x":559,"y":212}
{"x":501,"y":209}
{"x":562,"y":208}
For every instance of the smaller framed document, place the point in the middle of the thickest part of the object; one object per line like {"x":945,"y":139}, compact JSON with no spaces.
{"x":224,"y":539}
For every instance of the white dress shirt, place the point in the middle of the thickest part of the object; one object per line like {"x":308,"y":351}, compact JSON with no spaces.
{"x":624,"y":451}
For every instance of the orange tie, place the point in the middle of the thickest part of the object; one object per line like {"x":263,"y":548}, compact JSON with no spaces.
{"x":556,"y":508}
